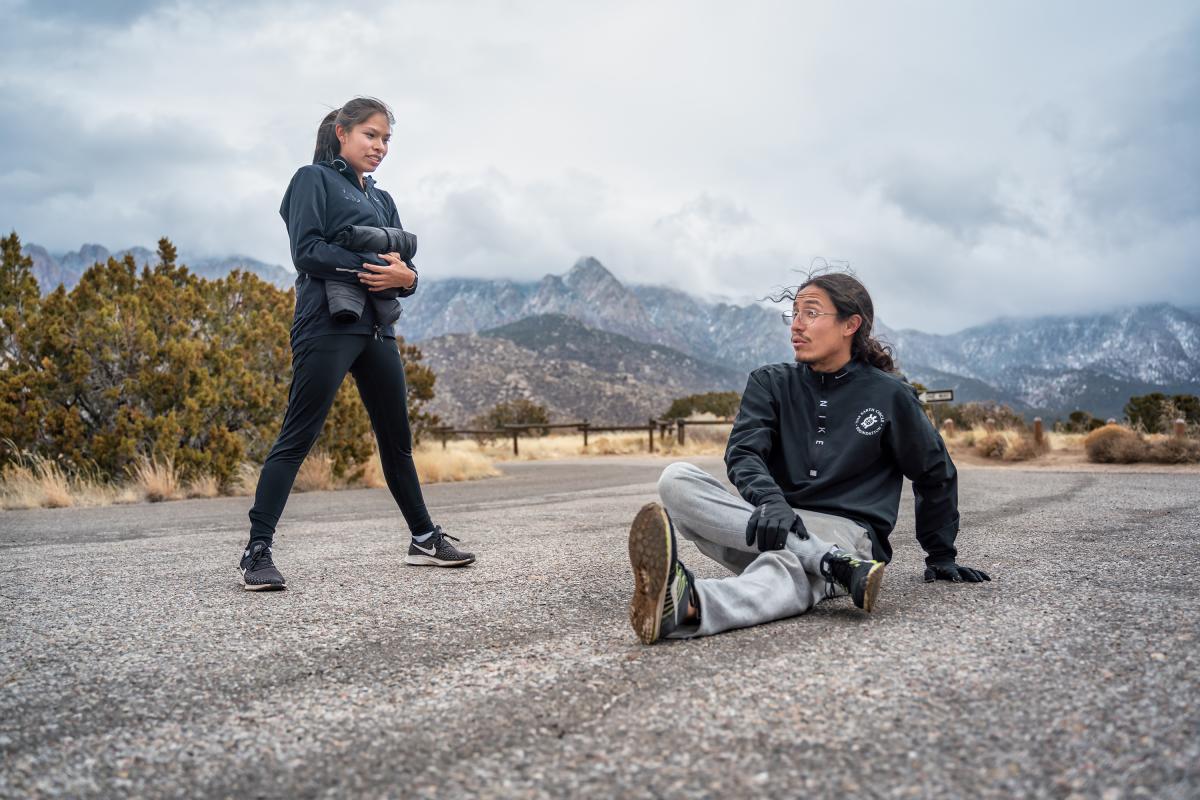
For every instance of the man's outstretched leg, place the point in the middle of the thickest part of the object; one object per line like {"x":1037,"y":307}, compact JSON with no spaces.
{"x":833,"y":559}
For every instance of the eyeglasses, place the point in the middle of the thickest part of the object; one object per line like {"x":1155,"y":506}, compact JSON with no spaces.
{"x":809,"y":315}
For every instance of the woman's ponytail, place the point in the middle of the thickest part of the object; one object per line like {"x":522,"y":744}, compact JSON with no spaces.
{"x":328,"y":145}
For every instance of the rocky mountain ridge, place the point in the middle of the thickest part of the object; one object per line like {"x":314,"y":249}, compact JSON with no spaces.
{"x":55,"y":269}
{"x":1047,"y":365}
{"x":573,"y":370}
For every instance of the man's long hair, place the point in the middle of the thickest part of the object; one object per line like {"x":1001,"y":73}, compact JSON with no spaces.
{"x":850,"y":297}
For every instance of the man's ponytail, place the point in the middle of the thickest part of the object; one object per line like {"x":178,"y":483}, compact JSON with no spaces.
{"x":849,"y":298}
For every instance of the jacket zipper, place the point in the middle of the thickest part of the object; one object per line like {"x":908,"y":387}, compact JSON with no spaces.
{"x":820,"y":436}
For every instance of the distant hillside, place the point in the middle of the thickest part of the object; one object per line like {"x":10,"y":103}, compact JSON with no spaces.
{"x":740,"y":337}
{"x":52,"y":270}
{"x":573,"y":370}
{"x":1043,"y":365}
{"x":557,"y":336}
{"x":1053,"y":365}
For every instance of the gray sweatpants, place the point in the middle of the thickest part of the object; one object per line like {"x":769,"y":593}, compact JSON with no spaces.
{"x":765,"y":586}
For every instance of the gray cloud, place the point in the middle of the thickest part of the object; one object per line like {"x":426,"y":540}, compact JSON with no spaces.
{"x":964,"y":205}
{"x":1140,"y":154}
{"x":965,"y":162}
{"x":108,"y":12}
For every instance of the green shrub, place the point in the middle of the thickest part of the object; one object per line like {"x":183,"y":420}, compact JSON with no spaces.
{"x":160,"y":364}
{"x":722,"y":404}
{"x":521,"y":411}
{"x":1156,"y":412}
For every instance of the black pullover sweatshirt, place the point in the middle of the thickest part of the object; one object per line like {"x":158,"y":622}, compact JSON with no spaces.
{"x":320,"y":202}
{"x":842,"y":443}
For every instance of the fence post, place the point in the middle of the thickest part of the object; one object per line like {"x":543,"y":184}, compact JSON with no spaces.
{"x":989,"y":424}
{"x":948,"y":427}
{"x":680,"y":435}
{"x":444,"y":436}
{"x":1039,"y":435}
{"x":584,"y":426}
{"x":1180,"y":429}
{"x":650,"y":429}
{"x":514,"y":433}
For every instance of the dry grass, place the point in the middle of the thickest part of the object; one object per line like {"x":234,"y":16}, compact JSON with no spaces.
{"x":37,"y":482}
{"x":460,"y":461}
{"x":206,"y":486}
{"x":700,"y":440}
{"x":435,"y":465}
{"x":245,"y":482}
{"x":157,"y":480}
{"x":316,"y":473}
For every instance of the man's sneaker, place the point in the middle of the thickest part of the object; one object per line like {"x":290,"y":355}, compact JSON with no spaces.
{"x":258,"y":570}
{"x":662,"y":585}
{"x":859,"y":577}
{"x":437,"y":552}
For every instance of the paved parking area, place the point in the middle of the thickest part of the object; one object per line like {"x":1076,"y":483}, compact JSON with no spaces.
{"x":132,"y":663}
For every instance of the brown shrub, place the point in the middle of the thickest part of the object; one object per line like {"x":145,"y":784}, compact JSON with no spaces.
{"x":1008,"y":446}
{"x":992,"y":445}
{"x":1174,"y":451}
{"x":1114,"y":444}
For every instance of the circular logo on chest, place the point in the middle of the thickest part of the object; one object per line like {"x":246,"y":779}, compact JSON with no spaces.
{"x":869,"y":421}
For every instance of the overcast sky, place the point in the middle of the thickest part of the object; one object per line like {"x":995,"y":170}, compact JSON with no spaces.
{"x":967,"y":159}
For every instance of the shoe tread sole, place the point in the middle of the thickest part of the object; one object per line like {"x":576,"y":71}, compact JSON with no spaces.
{"x":649,"y":555}
{"x":874,"y":582}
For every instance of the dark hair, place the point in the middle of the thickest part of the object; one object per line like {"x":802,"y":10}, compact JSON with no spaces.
{"x":356,"y":112}
{"x":850,"y":297}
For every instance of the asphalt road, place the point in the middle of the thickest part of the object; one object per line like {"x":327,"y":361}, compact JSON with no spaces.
{"x":131,"y":662}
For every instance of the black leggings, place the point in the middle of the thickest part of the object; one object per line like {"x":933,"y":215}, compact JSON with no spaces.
{"x":319,"y":365}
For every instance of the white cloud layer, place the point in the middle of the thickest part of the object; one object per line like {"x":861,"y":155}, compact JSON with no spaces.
{"x":968,"y":160}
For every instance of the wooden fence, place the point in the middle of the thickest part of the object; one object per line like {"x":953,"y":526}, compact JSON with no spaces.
{"x":661,"y":426}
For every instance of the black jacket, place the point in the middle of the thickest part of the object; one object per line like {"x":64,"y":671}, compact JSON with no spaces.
{"x":842,"y":444}
{"x":321,"y":200}
{"x":346,"y":300}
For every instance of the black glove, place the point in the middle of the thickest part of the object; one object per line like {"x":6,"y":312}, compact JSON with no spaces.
{"x":771,"y":523}
{"x":949,"y":571}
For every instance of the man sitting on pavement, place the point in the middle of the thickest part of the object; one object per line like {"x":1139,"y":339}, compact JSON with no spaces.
{"x":818,"y":453}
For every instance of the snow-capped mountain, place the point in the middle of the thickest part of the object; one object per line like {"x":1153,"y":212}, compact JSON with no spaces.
{"x":1048,"y":365}
{"x":52,"y":270}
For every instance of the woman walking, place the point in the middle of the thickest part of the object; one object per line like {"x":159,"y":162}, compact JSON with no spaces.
{"x":325,"y":197}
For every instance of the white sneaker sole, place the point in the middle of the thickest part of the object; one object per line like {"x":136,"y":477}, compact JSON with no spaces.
{"x":260,"y":587}
{"x":431,"y":561}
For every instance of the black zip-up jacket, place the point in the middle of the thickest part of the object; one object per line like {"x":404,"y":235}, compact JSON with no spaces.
{"x":345,"y":300}
{"x":842,"y":443}
{"x":322,"y":200}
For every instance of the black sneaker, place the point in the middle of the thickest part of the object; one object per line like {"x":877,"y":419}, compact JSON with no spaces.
{"x":258,"y":570}
{"x":861,"y":578}
{"x":437,"y":552}
{"x":662,"y":586}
